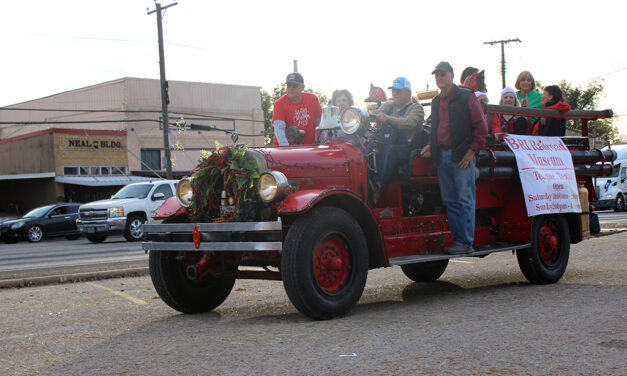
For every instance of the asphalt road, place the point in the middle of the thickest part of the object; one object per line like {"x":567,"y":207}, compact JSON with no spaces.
{"x":25,"y":263}
{"x":610,"y":218}
{"x":60,"y":260}
{"x":481,"y":318}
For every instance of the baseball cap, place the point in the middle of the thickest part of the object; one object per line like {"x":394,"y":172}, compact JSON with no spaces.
{"x":295,"y":77}
{"x":401,"y":83}
{"x":443,"y":66}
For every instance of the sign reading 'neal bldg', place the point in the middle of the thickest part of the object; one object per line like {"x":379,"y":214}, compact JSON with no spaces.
{"x":105,"y":144}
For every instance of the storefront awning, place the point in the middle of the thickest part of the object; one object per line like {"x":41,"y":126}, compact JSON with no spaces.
{"x":40,"y":175}
{"x":100,"y":181}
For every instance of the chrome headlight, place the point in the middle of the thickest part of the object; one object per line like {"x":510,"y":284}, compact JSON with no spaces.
{"x":116,"y":212}
{"x":272,"y":186}
{"x":350,"y":121}
{"x":17,"y":225}
{"x":184,"y":192}
{"x":355,"y":120}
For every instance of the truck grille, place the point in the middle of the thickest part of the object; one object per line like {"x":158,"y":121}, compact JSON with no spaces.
{"x":92,"y":213}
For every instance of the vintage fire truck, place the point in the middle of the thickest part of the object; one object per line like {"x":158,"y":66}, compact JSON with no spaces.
{"x":308,"y":219}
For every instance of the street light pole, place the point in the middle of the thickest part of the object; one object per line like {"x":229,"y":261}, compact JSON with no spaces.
{"x":164,"y":89}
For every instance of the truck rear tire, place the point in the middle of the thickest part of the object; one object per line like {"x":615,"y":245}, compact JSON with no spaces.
{"x":96,"y":238}
{"x":545,"y":262}
{"x":425,"y":271}
{"x":181,"y":293}
{"x":324,"y":263}
{"x":134,"y":230}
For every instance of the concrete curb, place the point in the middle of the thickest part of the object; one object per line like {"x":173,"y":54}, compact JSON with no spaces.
{"x":73,"y":277}
{"x":607,"y":226}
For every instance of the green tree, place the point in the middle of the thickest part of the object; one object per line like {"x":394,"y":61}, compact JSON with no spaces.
{"x":267,"y":104}
{"x":587,"y":99}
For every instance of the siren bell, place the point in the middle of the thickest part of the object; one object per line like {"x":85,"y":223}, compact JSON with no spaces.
{"x":330,"y":118}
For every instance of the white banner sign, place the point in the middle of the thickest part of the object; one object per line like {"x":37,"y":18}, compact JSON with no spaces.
{"x":546,"y":173}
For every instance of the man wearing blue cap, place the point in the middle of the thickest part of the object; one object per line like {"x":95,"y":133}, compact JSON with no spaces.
{"x":400,"y":119}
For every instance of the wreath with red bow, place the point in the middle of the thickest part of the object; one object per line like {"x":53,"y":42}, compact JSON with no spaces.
{"x":227,"y":170}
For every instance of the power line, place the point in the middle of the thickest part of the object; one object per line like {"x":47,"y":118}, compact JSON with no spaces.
{"x":607,"y":74}
{"x":209,"y":117}
{"x":78,"y":110}
{"x":78,"y":121}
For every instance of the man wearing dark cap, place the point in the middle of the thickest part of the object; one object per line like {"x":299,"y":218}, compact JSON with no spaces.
{"x":298,"y":109}
{"x":401,"y":120}
{"x":458,"y":132}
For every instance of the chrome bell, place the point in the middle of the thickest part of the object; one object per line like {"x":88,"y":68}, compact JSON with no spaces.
{"x":330,"y":118}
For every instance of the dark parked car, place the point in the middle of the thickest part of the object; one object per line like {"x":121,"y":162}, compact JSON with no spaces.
{"x":45,"y":221}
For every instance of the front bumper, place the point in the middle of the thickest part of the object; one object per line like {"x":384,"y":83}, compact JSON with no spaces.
{"x":228,"y":236}
{"x":605,"y":204}
{"x":110,"y":225}
{"x":9,"y":235}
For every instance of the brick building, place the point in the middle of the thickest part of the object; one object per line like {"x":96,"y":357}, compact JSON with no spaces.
{"x":85,"y":144}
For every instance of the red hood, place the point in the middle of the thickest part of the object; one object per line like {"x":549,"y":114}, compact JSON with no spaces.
{"x":560,"y":106}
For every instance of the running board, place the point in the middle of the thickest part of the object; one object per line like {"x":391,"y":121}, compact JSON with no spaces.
{"x":478,"y":252}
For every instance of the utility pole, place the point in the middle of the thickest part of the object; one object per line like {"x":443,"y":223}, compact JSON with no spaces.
{"x":164,"y":89}
{"x":502,"y":42}
{"x":295,"y":66}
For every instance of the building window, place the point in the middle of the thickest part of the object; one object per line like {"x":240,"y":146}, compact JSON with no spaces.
{"x":120,"y":170}
{"x":151,"y":159}
{"x":95,"y":170}
{"x":70,"y":170}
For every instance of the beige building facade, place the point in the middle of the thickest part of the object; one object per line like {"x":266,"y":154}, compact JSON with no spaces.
{"x":86,"y":143}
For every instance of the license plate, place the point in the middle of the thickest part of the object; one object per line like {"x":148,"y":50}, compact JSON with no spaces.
{"x":91,"y":229}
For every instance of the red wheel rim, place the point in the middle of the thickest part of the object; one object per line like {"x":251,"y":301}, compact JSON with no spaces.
{"x":332,"y":264}
{"x":549,"y":243}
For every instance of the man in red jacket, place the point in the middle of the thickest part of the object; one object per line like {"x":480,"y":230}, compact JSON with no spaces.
{"x":298,"y":109}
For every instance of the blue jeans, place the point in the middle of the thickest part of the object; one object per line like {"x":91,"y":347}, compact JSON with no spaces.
{"x":388,"y":157}
{"x":458,"y":189}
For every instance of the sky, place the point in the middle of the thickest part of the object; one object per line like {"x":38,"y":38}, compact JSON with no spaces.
{"x":51,"y":47}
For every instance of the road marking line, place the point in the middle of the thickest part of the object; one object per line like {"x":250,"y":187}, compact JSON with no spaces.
{"x":118,"y":293}
{"x":463,"y":262}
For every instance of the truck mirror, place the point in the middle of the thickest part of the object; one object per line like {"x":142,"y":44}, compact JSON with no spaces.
{"x":158,"y":196}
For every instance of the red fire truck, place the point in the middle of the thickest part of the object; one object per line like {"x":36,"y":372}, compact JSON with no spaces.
{"x":309,"y":221}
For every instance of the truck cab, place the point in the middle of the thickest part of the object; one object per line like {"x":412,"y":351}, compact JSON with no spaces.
{"x":612,"y":189}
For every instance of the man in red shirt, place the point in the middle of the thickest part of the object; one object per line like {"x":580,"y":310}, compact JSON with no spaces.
{"x":298,"y":109}
{"x":458,"y":132}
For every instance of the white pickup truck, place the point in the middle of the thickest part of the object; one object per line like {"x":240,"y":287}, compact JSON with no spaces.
{"x":126,"y":211}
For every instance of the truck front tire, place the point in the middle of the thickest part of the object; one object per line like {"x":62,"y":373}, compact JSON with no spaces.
{"x":181,"y":293}
{"x":324,"y":263}
{"x":134,"y":230}
{"x":620,"y":203}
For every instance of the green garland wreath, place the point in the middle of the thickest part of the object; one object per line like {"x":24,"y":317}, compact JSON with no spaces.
{"x":225,"y":169}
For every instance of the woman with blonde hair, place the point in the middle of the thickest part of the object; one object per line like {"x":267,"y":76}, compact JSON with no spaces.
{"x":527,"y":94}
